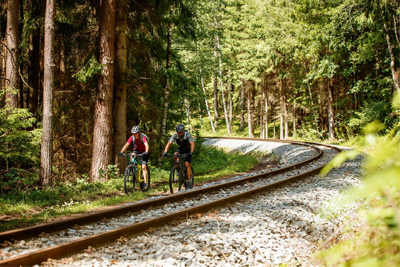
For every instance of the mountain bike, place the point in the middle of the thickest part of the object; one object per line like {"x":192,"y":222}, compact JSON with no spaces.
{"x":178,"y":174}
{"x":133,"y":175}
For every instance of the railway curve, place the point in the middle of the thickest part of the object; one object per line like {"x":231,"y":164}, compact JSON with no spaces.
{"x":173,"y":209}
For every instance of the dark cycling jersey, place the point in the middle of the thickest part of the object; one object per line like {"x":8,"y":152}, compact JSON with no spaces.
{"x":183,"y":141}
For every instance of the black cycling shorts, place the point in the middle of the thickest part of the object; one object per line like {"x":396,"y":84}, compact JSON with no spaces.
{"x":145,"y":158}
{"x":186,"y":151}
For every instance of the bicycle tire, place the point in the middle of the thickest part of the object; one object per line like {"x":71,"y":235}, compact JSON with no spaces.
{"x":182,"y":177}
{"x":148,"y":177}
{"x":175,"y":171}
{"x":190,"y":182}
{"x":138,"y":178}
{"x":129,"y":179}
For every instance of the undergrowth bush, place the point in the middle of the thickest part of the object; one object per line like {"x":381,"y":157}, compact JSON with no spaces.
{"x":375,"y":242}
{"x":19,"y":149}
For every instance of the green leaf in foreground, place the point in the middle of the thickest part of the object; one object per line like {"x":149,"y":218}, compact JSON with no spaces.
{"x":339,"y":159}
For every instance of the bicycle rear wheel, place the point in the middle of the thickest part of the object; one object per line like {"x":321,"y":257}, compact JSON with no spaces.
{"x":174,"y":176}
{"x":129,"y":179}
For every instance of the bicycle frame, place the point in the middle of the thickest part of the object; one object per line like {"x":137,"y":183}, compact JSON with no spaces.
{"x":137,"y":166}
{"x":179,"y":170}
{"x":181,"y":166}
{"x":134,"y":174}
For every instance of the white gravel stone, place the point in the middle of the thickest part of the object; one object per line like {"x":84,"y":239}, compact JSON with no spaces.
{"x":279,"y":227}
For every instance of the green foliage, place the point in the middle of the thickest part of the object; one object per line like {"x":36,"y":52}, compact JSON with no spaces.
{"x":112,"y":172}
{"x":19,"y":150}
{"x":82,"y":195}
{"x":90,"y":69}
{"x":17,"y":180}
{"x":18,"y":144}
{"x":376,"y":241}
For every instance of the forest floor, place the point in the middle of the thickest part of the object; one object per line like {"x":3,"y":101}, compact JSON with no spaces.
{"x":16,"y":222}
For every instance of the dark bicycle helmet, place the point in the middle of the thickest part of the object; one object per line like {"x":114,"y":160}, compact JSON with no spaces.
{"x":135,"y":129}
{"x":180,"y":128}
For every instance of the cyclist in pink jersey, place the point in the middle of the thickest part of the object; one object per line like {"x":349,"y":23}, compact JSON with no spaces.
{"x":140,"y":146}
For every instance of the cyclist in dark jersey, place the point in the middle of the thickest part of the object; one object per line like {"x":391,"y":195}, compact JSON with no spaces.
{"x":140,"y":146}
{"x":186,"y":145}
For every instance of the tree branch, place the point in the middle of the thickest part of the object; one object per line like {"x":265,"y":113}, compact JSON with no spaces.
{"x":19,"y":70}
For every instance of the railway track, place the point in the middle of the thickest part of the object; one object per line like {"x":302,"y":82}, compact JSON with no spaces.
{"x":139,"y":217}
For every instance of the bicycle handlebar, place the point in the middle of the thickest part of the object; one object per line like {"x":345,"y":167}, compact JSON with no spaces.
{"x":176,"y":155}
{"x":131,"y":155}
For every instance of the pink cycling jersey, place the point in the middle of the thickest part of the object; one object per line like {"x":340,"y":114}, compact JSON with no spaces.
{"x":138,"y":145}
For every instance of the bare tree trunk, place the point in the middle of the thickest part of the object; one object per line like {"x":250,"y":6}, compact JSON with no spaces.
{"x":266,"y":112}
{"x":12,"y":84}
{"x":3,"y":56}
{"x":34,"y":62}
{"x":215,"y":100}
{"x":312,"y":105}
{"x":294,"y":119}
{"x":205,"y":97}
{"x":250,"y":111}
{"x":242,"y":106}
{"x":222,"y":89}
{"x":395,"y":71}
{"x":274,"y":130}
{"x":281,"y":103}
{"x":20,"y":52}
{"x":48,"y":91}
{"x":102,"y":129}
{"x":285,"y":109}
{"x":230,"y":107}
{"x":120,"y":93}
{"x":187,"y":107}
{"x":167,"y":86}
{"x":262,"y":112}
{"x":201,"y":118}
{"x":331,"y":115}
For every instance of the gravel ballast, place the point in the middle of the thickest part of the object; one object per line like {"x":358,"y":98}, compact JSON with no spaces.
{"x":279,"y":227}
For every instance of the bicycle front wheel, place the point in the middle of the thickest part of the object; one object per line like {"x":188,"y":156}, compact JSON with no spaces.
{"x":129,"y":179}
{"x":174,"y":176}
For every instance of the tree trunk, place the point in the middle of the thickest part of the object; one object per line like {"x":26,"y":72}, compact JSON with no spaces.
{"x":294,"y":119}
{"x":266,"y":112}
{"x":102,"y":129}
{"x":222,"y":89}
{"x":167,"y":88}
{"x":48,"y":91}
{"x":120,"y":94}
{"x":230,"y":107}
{"x":3,"y":55}
{"x":331,"y":115}
{"x":205,"y":97}
{"x":395,"y":71}
{"x":274,"y":130}
{"x":12,"y":83}
{"x":20,"y":52}
{"x":187,"y":108}
{"x":281,"y":103}
{"x":262,"y":112}
{"x":250,"y":110}
{"x":242,"y":106}
{"x":285,"y":112}
{"x":215,"y":101}
{"x":34,"y":62}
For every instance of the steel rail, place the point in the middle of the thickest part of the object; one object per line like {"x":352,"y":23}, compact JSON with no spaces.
{"x":108,"y":237}
{"x":31,"y":231}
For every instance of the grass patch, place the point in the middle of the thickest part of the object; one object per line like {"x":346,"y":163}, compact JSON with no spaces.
{"x":36,"y":205}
